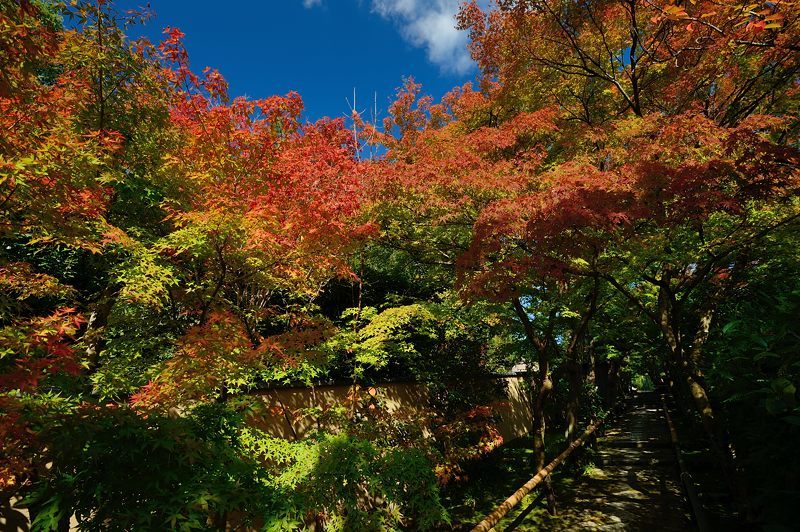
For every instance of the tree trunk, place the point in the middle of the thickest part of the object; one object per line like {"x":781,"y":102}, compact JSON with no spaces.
{"x":574,"y":362}
{"x":687,"y":361}
{"x":541,"y":385}
{"x":93,"y":337}
{"x":614,"y":386}
{"x":545,"y":387}
{"x":575,"y":378}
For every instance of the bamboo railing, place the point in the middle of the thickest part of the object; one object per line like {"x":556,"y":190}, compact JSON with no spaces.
{"x":492,"y":519}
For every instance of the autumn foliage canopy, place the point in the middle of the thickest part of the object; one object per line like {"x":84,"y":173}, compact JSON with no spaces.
{"x":170,"y":254}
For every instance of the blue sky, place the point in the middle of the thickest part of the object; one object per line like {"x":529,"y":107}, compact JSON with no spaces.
{"x":320,"y":48}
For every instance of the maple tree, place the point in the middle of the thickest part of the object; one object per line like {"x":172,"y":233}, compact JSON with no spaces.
{"x":679,"y":155}
{"x":166,"y":248}
{"x":264,"y":217}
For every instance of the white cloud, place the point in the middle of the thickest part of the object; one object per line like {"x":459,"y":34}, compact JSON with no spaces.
{"x":430,"y":24}
{"x":308,"y":4}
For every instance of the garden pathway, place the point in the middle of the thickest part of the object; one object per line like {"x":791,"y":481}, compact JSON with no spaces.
{"x":634,"y":487}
